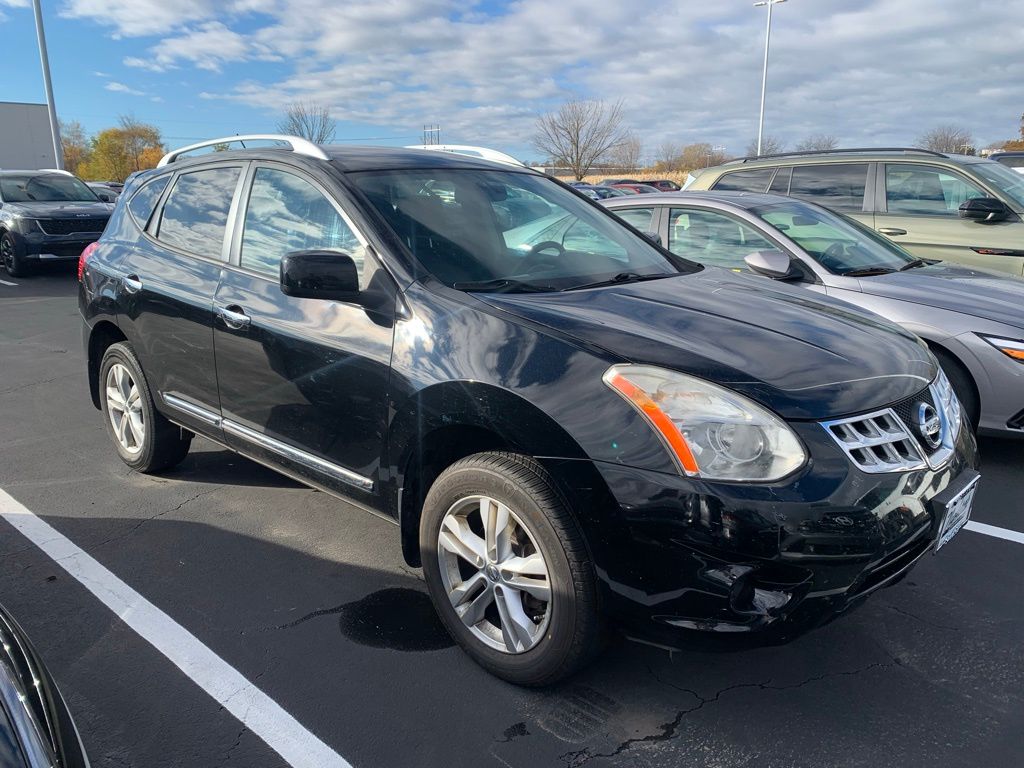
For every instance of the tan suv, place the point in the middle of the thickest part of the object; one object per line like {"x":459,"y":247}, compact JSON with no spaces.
{"x":937,"y":206}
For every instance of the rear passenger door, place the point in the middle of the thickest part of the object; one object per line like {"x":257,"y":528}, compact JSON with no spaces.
{"x":303,"y":382}
{"x":841,"y":187}
{"x":168,"y":283}
{"x":919,"y":209}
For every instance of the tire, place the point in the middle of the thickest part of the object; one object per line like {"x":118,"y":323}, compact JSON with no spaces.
{"x":12,"y":257}
{"x":963,"y":385}
{"x":148,"y":441}
{"x":556,"y":637}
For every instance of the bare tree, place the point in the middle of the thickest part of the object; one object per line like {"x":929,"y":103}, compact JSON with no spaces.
{"x":310,"y":121}
{"x":668,"y":157}
{"x":818,"y":142}
{"x":770,"y":145}
{"x":701,"y":155}
{"x":580,"y":133}
{"x":948,"y":138}
{"x":626,"y":156}
{"x":75,"y":143}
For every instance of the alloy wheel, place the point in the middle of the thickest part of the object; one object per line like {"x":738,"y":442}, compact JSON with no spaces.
{"x":494,"y":574}
{"x":7,"y":253}
{"x":124,"y":408}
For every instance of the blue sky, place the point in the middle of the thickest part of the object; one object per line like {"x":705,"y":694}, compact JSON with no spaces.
{"x":867,"y":71}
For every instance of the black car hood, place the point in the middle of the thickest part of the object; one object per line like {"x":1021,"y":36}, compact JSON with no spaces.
{"x":803,"y":356}
{"x":983,"y":293}
{"x":59,"y":210}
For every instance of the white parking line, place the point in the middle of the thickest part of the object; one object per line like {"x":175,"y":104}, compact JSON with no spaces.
{"x":257,"y":711}
{"x":999,"y":533}
{"x":7,"y":282}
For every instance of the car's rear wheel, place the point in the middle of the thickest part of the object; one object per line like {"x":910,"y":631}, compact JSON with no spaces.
{"x":11,"y":256}
{"x":144,"y":439}
{"x":507,"y":569}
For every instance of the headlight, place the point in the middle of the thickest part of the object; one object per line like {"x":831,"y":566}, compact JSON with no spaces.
{"x":26,"y":225}
{"x":1009,"y":347}
{"x":710,"y":431}
{"x":948,"y":402}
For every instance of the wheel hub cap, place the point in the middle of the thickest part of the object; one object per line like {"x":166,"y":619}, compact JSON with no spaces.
{"x":124,"y":409}
{"x":495,"y":574}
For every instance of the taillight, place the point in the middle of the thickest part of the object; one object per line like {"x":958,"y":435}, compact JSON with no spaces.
{"x":84,"y":257}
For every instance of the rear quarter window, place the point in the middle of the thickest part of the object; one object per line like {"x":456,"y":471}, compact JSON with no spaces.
{"x":753,"y":180}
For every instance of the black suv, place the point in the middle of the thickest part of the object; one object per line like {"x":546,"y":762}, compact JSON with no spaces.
{"x":46,"y":215}
{"x":567,"y":423}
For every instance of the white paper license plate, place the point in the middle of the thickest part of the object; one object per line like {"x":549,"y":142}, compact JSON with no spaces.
{"x":957,"y":513}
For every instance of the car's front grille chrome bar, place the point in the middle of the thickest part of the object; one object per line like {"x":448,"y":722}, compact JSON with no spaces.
{"x":877,"y":442}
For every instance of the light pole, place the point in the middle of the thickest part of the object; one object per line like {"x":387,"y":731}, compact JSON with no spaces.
{"x":58,"y":150}
{"x":764,"y":71}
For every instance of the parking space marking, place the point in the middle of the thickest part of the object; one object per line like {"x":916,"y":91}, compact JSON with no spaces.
{"x":228,"y":687}
{"x":7,"y":282}
{"x":991,"y":530}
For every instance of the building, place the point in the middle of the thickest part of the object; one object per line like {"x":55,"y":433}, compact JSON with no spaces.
{"x":25,"y":140}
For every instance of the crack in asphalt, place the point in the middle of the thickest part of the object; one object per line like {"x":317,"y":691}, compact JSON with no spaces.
{"x":238,"y":740}
{"x":667,"y":731}
{"x":312,"y":615}
{"x":36,"y":383}
{"x":151,"y":518}
{"x":915,"y":617}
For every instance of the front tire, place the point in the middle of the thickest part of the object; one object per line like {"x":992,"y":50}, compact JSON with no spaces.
{"x":11,"y":256}
{"x":508,"y":570}
{"x":144,"y":439}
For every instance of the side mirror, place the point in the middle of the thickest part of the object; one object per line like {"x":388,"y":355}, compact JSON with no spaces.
{"x":652,"y":236}
{"x":774,"y":264}
{"x":987,"y":209}
{"x":330,"y":275}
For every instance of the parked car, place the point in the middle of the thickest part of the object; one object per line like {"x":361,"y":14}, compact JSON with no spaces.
{"x":36,"y":728}
{"x":107,"y":191}
{"x":663,"y":185}
{"x":949,"y":207}
{"x":46,"y":215}
{"x":597,"y":192}
{"x":567,"y":423}
{"x":971,"y":318}
{"x":640,"y":189}
{"x":1014,"y":160}
{"x":612,"y":182}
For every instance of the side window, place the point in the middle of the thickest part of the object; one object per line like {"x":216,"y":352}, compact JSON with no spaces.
{"x":713,"y":238}
{"x":926,"y":190}
{"x":754,"y":180}
{"x":780,"y":184}
{"x":144,"y":201}
{"x":637,"y":217}
{"x":286,"y":213}
{"x":839,"y":185}
{"x":195,"y":215}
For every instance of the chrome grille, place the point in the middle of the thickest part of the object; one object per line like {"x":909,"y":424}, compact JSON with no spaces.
{"x":877,"y":442}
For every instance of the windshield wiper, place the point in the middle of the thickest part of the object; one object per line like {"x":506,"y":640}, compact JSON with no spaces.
{"x":503,"y":285}
{"x":914,"y":264}
{"x":869,"y":272}
{"x":622,"y":277}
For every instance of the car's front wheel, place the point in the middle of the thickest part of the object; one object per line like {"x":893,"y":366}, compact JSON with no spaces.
{"x":11,"y":256}
{"x":507,"y":569}
{"x":144,"y":439}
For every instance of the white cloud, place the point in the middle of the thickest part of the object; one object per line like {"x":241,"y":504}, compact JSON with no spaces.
{"x":122,"y":88}
{"x":97,"y":73}
{"x":140,"y":17}
{"x":140,"y":63}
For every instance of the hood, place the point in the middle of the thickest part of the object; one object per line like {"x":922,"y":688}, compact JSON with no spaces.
{"x":983,"y":293}
{"x":59,"y":210}
{"x":803,"y":356}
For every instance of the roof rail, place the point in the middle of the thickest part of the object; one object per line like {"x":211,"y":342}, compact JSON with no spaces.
{"x":57,"y":170}
{"x":297,"y":145}
{"x":483,"y":153}
{"x":853,"y":150}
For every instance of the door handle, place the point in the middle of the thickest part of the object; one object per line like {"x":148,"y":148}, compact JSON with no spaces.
{"x":892,"y":231}
{"x":234,"y":317}
{"x":131,"y":283}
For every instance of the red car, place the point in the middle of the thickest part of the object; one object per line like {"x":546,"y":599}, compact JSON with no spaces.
{"x":640,"y":189}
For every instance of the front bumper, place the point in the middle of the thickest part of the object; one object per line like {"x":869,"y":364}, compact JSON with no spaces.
{"x":681,"y":557}
{"x":37,"y":246}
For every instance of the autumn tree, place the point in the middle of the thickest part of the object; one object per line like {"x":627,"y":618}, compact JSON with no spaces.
{"x":75,"y":143}
{"x":770,"y":145}
{"x":948,"y":138}
{"x":818,"y":142}
{"x":310,"y":121}
{"x":580,"y":133}
{"x":116,"y":153}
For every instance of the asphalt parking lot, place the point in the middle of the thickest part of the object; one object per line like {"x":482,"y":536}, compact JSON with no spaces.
{"x":309,"y":600}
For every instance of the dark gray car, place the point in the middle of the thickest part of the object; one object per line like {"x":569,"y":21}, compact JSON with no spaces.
{"x":972,"y":319}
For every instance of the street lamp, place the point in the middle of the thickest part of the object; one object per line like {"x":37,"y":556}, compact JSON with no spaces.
{"x":764,"y":72}
{"x":58,"y":151}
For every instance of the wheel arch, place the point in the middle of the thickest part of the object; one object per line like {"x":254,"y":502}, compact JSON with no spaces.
{"x":945,"y":354}
{"x":101,"y":337}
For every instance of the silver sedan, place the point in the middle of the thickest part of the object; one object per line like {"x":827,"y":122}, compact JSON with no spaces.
{"x":972,"y":319}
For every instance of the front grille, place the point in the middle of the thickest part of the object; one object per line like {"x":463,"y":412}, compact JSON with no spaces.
{"x":877,"y":442}
{"x":72,"y":226}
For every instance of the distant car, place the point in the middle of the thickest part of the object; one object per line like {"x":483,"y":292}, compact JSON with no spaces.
{"x":970,"y":318}
{"x":46,"y":216}
{"x":610,"y":182}
{"x":938,"y":206}
{"x":664,"y":185}
{"x":107,"y":191}
{"x":598,"y":192}
{"x":640,"y":189}
{"x":36,"y":728}
{"x":1013,"y":160}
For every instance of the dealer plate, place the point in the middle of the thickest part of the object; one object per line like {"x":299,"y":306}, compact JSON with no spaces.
{"x":956,"y":512}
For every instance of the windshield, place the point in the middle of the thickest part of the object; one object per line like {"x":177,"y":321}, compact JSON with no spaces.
{"x":44,"y":188}
{"x":507,"y":231}
{"x":839,"y":244}
{"x":1007,"y":181}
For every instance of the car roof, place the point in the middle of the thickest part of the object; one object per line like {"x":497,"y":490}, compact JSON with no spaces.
{"x":909,"y":154}
{"x":31,"y":172}
{"x":739,"y":199}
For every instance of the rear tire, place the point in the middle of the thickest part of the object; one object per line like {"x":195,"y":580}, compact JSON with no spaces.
{"x":535,"y":549}
{"x":963,"y":385}
{"x":12,"y":257}
{"x":144,"y":439}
